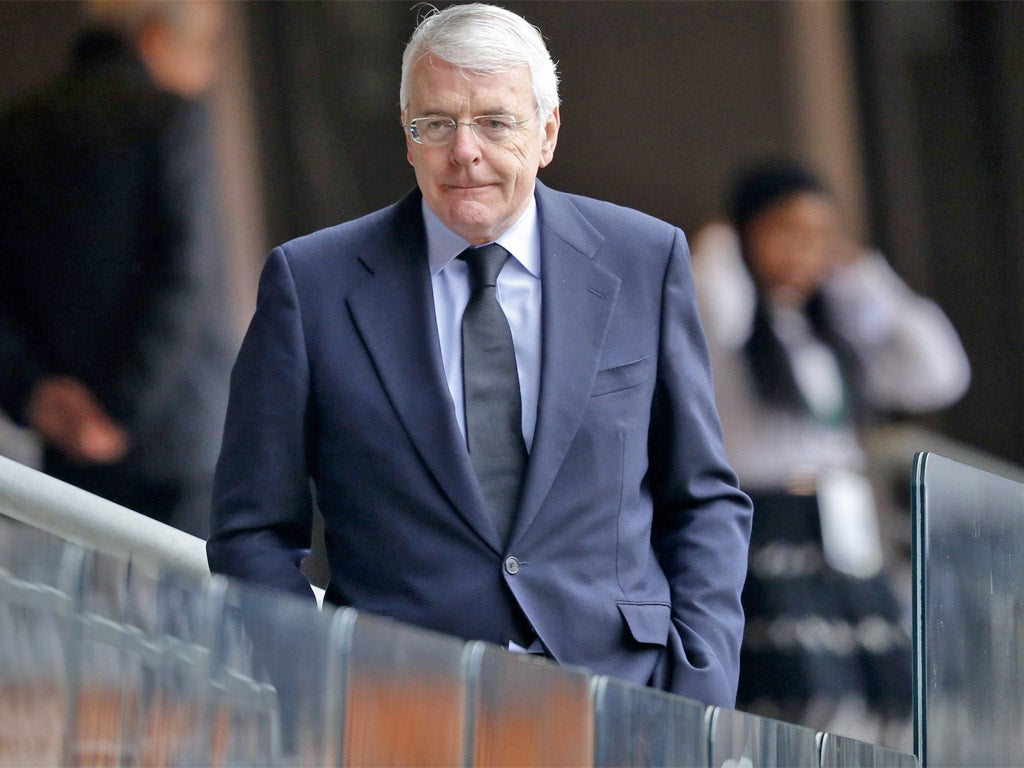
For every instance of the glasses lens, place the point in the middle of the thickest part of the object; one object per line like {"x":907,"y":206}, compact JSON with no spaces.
{"x":494,"y":128}
{"x":433,"y":130}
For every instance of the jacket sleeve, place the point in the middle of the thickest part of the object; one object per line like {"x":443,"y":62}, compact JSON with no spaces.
{"x":261,"y":521}
{"x":701,"y":518}
{"x":911,"y":355}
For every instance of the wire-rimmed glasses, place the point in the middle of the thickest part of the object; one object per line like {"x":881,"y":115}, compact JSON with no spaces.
{"x":436,"y":130}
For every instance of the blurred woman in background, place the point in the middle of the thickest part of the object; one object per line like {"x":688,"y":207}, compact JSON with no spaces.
{"x":812,"y":338}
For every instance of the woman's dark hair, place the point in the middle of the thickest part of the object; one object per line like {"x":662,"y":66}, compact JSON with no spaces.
{"x":759,"y":187}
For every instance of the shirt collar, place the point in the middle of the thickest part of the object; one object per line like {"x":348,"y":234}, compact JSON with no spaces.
{"x":522,"y":240}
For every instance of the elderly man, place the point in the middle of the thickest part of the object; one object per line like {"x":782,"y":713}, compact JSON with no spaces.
{"x":501,"y":394}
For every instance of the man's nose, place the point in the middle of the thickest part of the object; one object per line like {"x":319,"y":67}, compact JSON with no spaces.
{"x":465,"y":146}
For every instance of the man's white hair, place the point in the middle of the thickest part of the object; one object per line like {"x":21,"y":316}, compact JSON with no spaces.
{"x":484,"y":39}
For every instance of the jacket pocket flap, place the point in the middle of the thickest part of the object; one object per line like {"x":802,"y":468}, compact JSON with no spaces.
{"x":647,"y":622}
{"x":621,"y":377}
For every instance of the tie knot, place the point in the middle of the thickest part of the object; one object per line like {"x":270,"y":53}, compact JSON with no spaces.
{"x":484,"y":264}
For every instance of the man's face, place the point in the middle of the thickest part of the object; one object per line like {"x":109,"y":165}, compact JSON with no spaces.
{"x":477,"y":189}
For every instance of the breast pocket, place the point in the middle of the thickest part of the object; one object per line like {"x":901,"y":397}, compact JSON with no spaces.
{"x":621,"y":377}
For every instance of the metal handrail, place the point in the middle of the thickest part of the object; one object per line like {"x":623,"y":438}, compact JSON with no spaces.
{"x":43,"y":502}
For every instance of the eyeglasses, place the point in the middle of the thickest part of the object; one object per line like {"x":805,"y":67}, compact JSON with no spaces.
{"x":436,"y":131}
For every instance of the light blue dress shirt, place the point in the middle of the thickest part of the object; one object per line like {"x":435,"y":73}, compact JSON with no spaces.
{"x":519,"y":293}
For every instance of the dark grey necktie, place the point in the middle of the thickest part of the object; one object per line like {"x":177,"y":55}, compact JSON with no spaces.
{"x":494,"y":427}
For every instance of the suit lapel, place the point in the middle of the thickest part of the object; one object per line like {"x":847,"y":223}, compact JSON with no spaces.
{"x":578,"y":298}
{"x":394,"y":313}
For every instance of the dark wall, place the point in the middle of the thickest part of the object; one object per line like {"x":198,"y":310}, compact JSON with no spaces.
{"x":35,"y":38}
{"x":661,"y":100}
{"x":943,"y":98}
{"x":326,"y":79}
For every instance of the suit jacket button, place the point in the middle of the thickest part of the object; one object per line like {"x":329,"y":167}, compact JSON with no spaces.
{"x":511,"y":565}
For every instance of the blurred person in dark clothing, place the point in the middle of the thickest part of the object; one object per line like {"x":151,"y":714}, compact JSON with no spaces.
{"x":114,"y":329}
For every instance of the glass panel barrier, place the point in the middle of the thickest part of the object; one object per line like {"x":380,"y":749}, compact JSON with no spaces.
{"x":35,"y":613}
{"x":167,"y":669}
{"x":406,"y":695}
{"x":637,"y":726}
{"x":98,"y":663}
{"x":269,"y":668}
{"x":241,"y":723}
{"x":739,"y":739}
{"x":526,"y":711}
{"x":111,"y":661}
{"x":968,"y":615}
{"x":102,"y":664}
{"x":843,"y":752}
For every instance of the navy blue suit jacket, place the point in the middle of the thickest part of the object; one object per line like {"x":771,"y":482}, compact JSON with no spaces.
{"x":631,"y":535}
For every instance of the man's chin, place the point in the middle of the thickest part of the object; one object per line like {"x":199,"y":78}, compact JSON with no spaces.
{"x":474,"y":222}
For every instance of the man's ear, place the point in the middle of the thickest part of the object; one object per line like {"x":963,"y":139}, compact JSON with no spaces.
{"x":408,"y":139}
{"x":550,"y":138}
